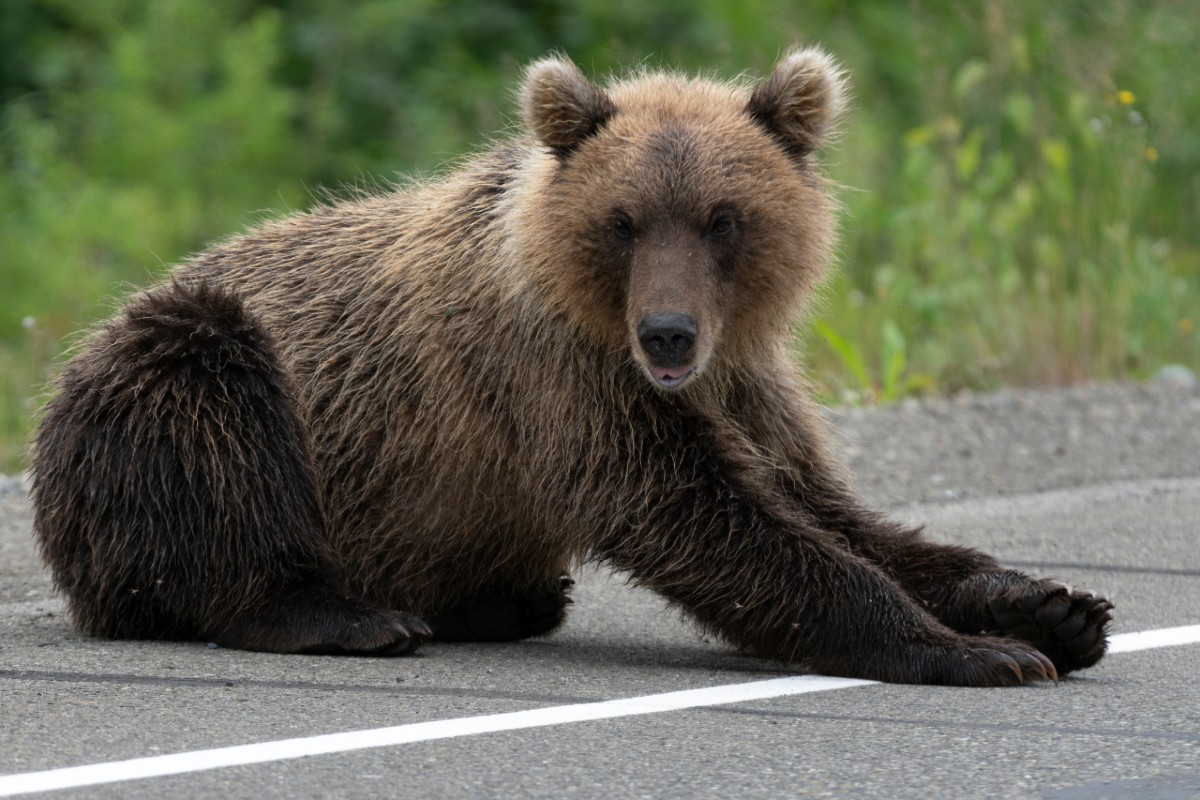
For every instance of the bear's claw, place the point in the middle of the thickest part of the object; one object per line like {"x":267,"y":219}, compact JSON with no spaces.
{"x":1025,"y":665}
{"x":988,"y":661}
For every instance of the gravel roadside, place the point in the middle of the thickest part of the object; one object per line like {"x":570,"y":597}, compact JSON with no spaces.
{"x":939,"y":450}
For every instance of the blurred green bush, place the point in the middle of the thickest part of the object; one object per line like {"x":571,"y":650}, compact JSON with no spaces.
{"x":1020,"y":179}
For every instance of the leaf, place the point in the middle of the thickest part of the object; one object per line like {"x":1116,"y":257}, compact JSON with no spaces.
{"x":970,"y":76}
{"x":850,"y":356}
{"x":895,"y":358}
{"x":1020,"y":111}
{"x":967,"y":155}
{"x":1057,"y":154}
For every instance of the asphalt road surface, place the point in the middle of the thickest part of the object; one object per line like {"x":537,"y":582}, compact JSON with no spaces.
{"x":1099,"y":486}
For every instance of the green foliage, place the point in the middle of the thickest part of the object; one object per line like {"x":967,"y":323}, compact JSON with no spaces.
{"x":858,"y":381}
{"x":144,"y":130}
{"x":1026,"y":233}
{"x":1020,"y":179}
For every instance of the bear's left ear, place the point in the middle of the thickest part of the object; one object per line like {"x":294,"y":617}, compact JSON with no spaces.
{"x":801,"y":101}
{"x":561,"y":106}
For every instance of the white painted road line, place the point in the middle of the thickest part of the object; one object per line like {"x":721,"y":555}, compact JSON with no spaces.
{"x":1146,"y":640}
{"x":199,"y":760}
{"x":417,"y":732}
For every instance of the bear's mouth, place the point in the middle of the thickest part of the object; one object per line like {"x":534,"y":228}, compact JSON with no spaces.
{"x":671,"y":377}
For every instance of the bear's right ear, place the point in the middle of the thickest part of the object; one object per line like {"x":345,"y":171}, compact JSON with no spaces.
{"x":560,"y":106}
{"x":801,"y":101}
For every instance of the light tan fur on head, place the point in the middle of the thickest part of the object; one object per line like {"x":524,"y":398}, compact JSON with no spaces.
{"x":674,"y":195}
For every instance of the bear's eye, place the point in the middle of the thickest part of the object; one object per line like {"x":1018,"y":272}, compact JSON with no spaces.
{"x":722,"y":226}
{"x":622,"y":226}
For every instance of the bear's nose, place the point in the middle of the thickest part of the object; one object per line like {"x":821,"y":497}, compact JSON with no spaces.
{"x":667,"y":338}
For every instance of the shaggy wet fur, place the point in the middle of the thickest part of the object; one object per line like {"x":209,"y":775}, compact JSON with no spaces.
{"x":422,"y":409}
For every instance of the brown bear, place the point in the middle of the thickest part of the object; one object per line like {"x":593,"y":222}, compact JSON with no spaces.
{"x":410,"y":414}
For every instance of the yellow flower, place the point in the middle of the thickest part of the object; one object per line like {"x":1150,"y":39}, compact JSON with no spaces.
{"x":1186,"y":326}
{"x":1151,"y":154}
{"x":1125,"y":97}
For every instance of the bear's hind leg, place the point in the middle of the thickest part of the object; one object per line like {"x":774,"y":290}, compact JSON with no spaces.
{"x":173,"y":491}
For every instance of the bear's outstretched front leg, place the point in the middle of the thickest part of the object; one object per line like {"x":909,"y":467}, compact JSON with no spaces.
{"x":173,"y":494}
{"x":967,"y":590}
{"x":970,"y":592}
{"x":791,"y":594}
{"x":735,"y":557}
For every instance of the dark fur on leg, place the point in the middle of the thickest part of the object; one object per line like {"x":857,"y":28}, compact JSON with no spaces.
{"x":758,"y":572}
{"x":173,"y":492}
{"x":968,"y":591}
{"x":971,"y":593}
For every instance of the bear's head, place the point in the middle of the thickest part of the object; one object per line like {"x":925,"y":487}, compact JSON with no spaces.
{"x":682,"y":218}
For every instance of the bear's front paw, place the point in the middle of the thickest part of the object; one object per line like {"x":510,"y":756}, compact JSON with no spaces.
{"x":1067,"y":625}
